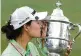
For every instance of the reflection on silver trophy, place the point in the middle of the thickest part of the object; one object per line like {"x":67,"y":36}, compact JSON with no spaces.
{"x":58,"y":33}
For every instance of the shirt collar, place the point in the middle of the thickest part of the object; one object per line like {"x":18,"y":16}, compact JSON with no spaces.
{"x":18,"y":47}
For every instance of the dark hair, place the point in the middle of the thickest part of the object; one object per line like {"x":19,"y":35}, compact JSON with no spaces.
{"x":10,"y":32}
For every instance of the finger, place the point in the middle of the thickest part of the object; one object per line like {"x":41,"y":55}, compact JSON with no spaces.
{"x":69,"y":50}
{"x":66,"y":54}
{"x":70,"y":43}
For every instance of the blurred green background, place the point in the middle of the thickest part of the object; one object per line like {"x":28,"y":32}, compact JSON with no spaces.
{"x":71,"y":8}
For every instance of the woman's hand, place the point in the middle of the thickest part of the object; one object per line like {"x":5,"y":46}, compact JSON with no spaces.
{"x":69,"y":48}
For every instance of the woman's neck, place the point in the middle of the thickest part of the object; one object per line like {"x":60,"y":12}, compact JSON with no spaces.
{"x":23,"y":40}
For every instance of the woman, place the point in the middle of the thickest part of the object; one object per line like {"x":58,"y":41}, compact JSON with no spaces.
{"x":23,"y":25}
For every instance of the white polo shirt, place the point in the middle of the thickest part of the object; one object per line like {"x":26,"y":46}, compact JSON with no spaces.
{"x":14,"y":49}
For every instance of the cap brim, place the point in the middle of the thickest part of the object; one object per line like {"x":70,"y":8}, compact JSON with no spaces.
{"x":41,"y":15}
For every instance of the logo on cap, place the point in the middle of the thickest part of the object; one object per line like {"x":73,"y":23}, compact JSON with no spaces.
{"x":24,"y":20}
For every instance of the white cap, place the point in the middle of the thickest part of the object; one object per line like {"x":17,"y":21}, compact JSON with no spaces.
{"x":24,"y":14}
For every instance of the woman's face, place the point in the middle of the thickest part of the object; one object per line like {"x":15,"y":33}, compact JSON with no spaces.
{"x":34,"y":29}
{"x":44,"y":28}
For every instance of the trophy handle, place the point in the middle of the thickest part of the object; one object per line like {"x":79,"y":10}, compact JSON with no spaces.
{"x":79,"y":31}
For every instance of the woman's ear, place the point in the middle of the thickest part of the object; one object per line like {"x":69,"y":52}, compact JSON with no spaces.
{"x":26,"y":27}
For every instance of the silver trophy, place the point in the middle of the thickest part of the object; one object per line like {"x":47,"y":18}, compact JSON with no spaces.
{"x":58,"y":33}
